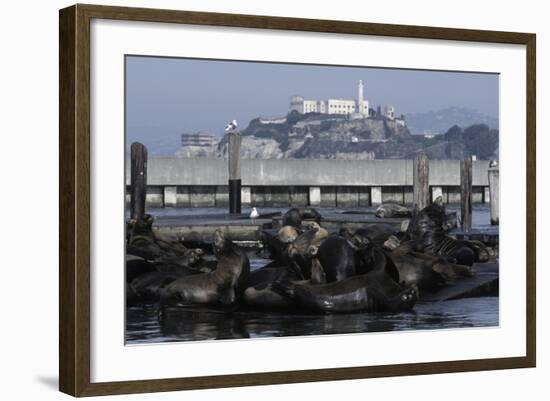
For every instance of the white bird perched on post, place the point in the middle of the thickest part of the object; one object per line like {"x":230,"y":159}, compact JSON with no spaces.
{"x":231,"y":126}
{"x":254,"y":214}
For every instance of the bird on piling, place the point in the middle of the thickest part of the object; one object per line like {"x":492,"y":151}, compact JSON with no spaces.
{"x":254,"y":215}
{"x":231,"y":126}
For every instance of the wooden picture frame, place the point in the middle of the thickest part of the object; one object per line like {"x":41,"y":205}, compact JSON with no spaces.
{"x":74,"y":203}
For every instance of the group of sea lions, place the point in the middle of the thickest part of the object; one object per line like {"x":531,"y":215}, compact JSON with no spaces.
{"x":154,"y":260}
{"x":373,"y":269}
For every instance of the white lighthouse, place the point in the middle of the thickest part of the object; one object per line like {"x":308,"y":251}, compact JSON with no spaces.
{"x":360,"y":96}
{"x":362,"y":106}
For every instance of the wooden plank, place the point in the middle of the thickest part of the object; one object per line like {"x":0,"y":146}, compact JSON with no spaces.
{"x":421,"y":187}
{"x":234,"y":155}
{"x":466,"y":193}
{"x":494,"y":192}
{"x":138,"y":180}
{"x":234,"y":166}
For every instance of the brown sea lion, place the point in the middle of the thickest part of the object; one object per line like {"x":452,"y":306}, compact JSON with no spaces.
{"x":372,"y":292}
{"x":223,"y":286}
{"x":391,"y":209}
{"x":287,"y":234}
{"x":266,"y":295}
{"x":295,"y":216}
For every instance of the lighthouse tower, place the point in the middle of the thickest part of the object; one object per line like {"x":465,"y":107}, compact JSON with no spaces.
{"x":360,"y":106}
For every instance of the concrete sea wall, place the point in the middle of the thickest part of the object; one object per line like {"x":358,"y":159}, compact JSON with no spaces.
{"x":202,"y":182}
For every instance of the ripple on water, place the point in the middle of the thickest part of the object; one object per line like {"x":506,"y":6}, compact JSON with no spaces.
{"x":181,"y":324}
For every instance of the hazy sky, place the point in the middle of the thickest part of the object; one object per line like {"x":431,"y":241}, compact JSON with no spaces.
{"x":168,"y":96}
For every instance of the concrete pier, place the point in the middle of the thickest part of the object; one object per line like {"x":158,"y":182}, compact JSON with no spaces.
{"x":170,"y":197}
{"x":202,"y":182}
{"x":246,"y":196}
{"x":315,"y":196}
{"x":376,"y":195}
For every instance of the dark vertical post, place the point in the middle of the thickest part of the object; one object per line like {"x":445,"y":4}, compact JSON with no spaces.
{"x":421,"y":185}
{"x":494,"y":193}
{"x":466,"y":193}
{"x":234,"y":165}
{"x":138,"y":180}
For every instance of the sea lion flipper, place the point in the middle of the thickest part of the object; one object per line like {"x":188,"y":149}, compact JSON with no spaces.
{"x":228,"y":296}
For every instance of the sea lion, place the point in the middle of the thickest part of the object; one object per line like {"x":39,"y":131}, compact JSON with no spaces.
{"x":187,"y":263}
{"x":428,"y":272}
{"x":263,"y":296}
{"x":268,"y":294}
{"x":287,"y":234}
{"x":147,"y":287}
{"x":391,"y":209}
{"x":295,"y":216}
{"x":140,"y":239}
{"x":143,"y":246}
{"x":428,"y":228}
{"x":338,"y":258}
{"x":169,"y":245}
{"x":299,"y":254}
{"x":320,"y":234}
{"x":136,"y":266}
{"x":274,"y":247}
{"x":377,"y":233}
{"x":223,"y":286}
{"x":372,"y":292}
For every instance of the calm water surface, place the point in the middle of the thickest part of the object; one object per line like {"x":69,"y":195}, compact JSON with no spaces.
{"x":144,"y":324}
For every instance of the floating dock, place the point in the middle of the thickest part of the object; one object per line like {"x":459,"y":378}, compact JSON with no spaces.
{"x":483,"y":283}
{"x":241,"y":228}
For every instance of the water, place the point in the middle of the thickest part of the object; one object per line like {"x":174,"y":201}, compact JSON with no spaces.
{"x":144,"y":324}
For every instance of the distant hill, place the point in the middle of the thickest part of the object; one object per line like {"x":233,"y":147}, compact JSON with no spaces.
{"x":438,"y":122}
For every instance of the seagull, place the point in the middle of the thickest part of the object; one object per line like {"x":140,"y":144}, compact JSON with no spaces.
{"x":254,"y":215}
{"x":231,"y":126}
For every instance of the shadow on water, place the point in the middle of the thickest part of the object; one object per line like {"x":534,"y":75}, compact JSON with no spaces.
{"x":146,"y":325}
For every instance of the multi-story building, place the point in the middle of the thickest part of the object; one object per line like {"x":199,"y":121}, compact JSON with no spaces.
{"x":199,"y":139}
{"x":386,"y":111}
{"x":358,"y":107}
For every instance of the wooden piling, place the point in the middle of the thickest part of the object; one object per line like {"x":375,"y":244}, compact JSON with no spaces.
{"x":421,"y":186}
{"x":234,"y":165}
{"x":494,"y":191}
{"x":466,"y":193}
{"x":138,"y":180}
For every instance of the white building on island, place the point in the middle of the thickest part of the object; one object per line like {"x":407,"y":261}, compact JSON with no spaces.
{"x":358,"y":107}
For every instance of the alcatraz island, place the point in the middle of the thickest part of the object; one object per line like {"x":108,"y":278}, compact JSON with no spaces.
{"x":348,"y":129}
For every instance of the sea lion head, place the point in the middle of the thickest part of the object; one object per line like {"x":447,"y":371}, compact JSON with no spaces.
{"x":193,"y":256}
{"x":429,"y":221}
{"x":392,"y":242}
{"x":287,"y":234}
{"x":360,"y":241}
{"x":310,"y":224}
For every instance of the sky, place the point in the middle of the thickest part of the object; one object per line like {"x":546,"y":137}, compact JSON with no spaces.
{"x":169,"y":96}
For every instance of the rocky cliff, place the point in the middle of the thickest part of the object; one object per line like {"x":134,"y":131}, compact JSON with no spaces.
{"x":338,"y":137}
